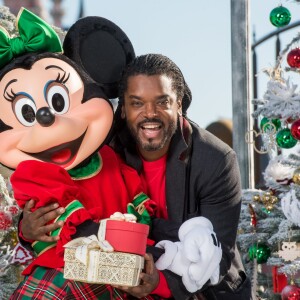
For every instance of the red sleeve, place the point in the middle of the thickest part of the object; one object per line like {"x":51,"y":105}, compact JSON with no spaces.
{"x":47,"y":183}
{"x":69,"y":228}
{"x":162,"y":289}
{"x":43,"y":182}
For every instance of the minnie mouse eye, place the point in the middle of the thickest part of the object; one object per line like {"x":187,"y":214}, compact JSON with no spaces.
{"x":58,"y":98}
{"x":25,"y":111}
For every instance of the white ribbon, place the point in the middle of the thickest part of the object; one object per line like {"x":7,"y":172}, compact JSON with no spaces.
{"x":84,"y":245}
{"x":102,"y":230}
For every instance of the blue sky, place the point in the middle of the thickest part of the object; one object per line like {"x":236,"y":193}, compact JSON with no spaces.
{"x":196,"y":35}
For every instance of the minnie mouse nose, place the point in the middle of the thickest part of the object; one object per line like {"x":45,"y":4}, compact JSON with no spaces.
{"x":45,"y":116}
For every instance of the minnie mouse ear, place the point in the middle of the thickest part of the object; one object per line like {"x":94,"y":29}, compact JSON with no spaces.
{"x":102,"y":49}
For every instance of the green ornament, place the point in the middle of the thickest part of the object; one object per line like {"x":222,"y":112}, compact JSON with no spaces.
{"x":266,"y":211}
{"x":284,"y":139}
{"x":264,"y":126}
{"x":280,"y":16}
{"x":259,"y":251}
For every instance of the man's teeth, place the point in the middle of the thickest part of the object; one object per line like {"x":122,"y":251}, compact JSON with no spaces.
{"x":151,"y":126}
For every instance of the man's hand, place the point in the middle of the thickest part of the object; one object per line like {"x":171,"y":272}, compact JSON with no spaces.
{"x":33,"y":225}
{"x":149,"y":280}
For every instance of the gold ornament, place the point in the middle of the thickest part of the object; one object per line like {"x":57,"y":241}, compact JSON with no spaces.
{"x":10,"y":238}
{"x":296,"y":176}
{"x":256,"y":198}
{"x":240,"y":231}
{"x":269,"y":207}
{"x":267,"y":199}
{"x":14,"y":238}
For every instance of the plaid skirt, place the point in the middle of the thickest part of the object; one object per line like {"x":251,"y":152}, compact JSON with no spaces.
{"x":45,"y":283}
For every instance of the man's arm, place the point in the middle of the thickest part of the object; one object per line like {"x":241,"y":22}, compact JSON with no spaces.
{"x":221,"y":204}
{"x":33,"y":225}
{"x":217,"y":197}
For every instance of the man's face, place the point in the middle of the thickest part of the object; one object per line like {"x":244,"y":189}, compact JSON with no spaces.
{"x":151,"y":110}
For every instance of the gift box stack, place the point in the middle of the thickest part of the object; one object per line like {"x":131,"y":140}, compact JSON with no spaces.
{"x":120,"y":263}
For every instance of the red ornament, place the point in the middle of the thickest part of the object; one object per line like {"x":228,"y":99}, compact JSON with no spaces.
{"x":13,"y":209}
{"x":295,"y":129}
{"x":5,"y":220}
{"x":253,"y":216}
{"x":293,"y":58}
{"x":290,"y":292}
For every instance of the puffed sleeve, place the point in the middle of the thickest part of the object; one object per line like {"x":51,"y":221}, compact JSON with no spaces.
{"x":48,"y":183}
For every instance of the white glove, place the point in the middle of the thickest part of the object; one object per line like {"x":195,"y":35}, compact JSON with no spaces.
{"x":172,"y":258}
{"x":190,"y":224}
{"x":201,"y":247}
{"x":174,"y":261}
{"x":196,"y":257}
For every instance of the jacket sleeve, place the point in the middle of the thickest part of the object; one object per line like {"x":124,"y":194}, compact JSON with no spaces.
{"x":220,"y":202}
{"x":215,"y":189}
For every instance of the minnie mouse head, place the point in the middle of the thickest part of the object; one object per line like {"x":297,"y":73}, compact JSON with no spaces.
{"x":54,"y":103}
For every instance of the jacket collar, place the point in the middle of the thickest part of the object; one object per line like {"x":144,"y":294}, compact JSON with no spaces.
{"x":177,"y":173}
{"x":181,"y":142}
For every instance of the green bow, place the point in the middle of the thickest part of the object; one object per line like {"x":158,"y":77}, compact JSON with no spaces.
{"x":138,"y":209}
{"x":35,"y":36}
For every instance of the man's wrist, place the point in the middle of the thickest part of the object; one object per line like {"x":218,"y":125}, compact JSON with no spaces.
{"x":162,"y":288}
{"x":21,"y":234}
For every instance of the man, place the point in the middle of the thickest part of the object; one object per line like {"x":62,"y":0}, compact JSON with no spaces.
{"x":188,"y":171}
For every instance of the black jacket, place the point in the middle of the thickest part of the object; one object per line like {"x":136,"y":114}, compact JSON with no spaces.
{"x":202,"y":179}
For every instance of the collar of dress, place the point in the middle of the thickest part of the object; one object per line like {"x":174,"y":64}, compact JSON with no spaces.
{"x":91,"y":169}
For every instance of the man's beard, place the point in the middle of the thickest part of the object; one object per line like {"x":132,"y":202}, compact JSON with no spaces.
{"x":150,"y":145}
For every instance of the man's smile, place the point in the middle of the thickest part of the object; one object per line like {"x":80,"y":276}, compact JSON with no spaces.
{"x":150,"y":128}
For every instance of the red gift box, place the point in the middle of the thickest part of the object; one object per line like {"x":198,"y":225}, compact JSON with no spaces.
{"x":127,"y":237}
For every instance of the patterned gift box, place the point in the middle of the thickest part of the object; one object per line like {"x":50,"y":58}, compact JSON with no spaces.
{"x":103,"y":267}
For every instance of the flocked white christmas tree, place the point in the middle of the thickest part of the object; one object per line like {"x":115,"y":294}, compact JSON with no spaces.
{"x":9,"y":272}
{"x":269,"y":229}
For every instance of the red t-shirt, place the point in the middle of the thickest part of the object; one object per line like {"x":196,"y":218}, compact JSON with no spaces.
{"x":153,"y":179}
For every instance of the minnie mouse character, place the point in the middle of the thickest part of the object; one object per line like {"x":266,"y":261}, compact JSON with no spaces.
{"x":54,"y":117}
